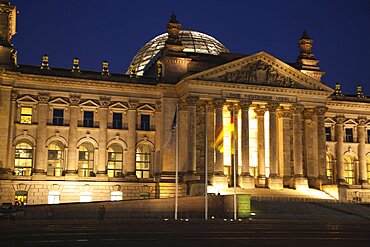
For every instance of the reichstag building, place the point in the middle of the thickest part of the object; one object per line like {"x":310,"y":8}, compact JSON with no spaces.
{"x":69,"y":135}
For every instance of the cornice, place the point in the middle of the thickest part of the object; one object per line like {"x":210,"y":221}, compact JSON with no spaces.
{"x":347,"y":104}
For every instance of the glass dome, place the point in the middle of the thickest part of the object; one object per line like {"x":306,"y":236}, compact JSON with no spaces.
{"x":193,"y":41}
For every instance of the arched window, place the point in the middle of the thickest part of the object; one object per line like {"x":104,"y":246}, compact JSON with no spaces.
{"x":349,"y":169}
{"x":115,"y":159}
{"x":143,"y":160}
{"x":86,"y":160}
{"x":368,"y":168}
{"x":55,"y":159}
{"x":329,"y":167}
{"x":23,"y":159}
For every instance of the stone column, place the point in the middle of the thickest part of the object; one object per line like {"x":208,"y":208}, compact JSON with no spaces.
{"x":321,"y":145}
{"x":285,"y":134}
{"x":210,"y":137}
{"x":183,"y":136}
{"x":274,"y":181}
{"x":245,"y":180}
{"x":299,"y":182}
{"x":131,"y":140}
{"x":219,"y":178}
{"x":192,"y":139}
{"x":339,"y":147}
{"x":310,"y":148}
{"x":261,"y":179}
{"x":103,"y":124}
{"x":42,"y":117}
{"x":361,"y":133}
{"x":72,"y":136}
{"x":9,"y":163}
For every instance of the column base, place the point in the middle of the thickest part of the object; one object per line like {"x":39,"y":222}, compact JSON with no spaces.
{"x":246,"y":182}
{"x":131,"y":176}
{"x":71,"y":176}
{"x":38,"y":176}
{"x":287,"y":181}
{"x":261,"y":182}
{"x":219,"y":182}
{"x":5,"y":171}
{"x":190,"y":177}
{"x":101,"y":176}
{"x":275,"y":183}
{"x":300,"y":183}
{"x":38,"y":172}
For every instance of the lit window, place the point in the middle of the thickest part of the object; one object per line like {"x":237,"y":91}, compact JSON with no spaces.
{"x":58,"y":117}
{"x":143,"y":160}
{"x":85,"y":196}
{"x":20,"y":198}
{"x":328,"y":133}
{"x":55,"y":159}
{"x":88,"y":119}
{"x":145,"y":122}
{"x":368,"y":169}
{"x":54,"y":197}
{"x":115,"y":158}
{"x":329,"y":167}
{"x":349,"y":172}
{"x":117,"y":120}
{"x":349,"y":135}
{"x":23,"y":159}
{"x":86,"y":160}
{"x":26,"y":115}
{"x":116,"y":196}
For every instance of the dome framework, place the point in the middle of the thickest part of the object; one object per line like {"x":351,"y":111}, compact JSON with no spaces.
{"x":193,"y":41}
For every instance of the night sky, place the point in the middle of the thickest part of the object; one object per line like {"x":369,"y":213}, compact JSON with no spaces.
{"x":96,"y":30}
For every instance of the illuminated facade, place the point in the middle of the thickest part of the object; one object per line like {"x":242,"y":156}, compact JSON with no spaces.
{"x":69,"y":135}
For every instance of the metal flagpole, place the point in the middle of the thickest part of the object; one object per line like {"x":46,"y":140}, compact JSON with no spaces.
{"x":234,"y":168}
{"x":177,"y":163}
{"x":206,"y":172}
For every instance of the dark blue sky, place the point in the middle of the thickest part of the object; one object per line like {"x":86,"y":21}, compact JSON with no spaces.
{"x":96,"y":30}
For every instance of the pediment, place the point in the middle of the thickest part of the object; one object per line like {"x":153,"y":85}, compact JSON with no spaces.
{"x":118,"y":106}
{"x":59,"y":102}
{"x":350,"y":122}
{"x":89,"y":103}
{"x":329,"y":121}
{"x":27,"y":99}
{"x":146,"y":107}
{"x":261,"y":69}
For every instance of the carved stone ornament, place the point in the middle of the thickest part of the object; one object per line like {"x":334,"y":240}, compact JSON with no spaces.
{"x":259,"y":73}
{"x":362,"y":120}
{"x":14,"y":95}
{"x":104,"y":101}
{"x":340,"y":119}
{"x":245,"y":104}
{"x":192,"y":100}
{"x":308,"y":113}
{"x":219,"y":103}
{"x":297,"y":109}
{"x":272,"y":107}
{"x":43,"y":97}
{"x":320,"y":110}
{"x":74,"y":99}
{"x":260,"y":111}
{"x":285,"y":112}
{"x":158,"y":107}
{"x":133,"y":105}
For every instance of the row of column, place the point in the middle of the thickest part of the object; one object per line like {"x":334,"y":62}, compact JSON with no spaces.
{"x":280,"y":134}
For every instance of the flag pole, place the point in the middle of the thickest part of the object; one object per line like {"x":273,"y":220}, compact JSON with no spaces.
{"x":177,"y":163}
{"x":206,"y":170}
{"x":234,"y":168}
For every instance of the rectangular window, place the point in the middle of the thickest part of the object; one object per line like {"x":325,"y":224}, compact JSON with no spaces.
{"x":368,"y":136}
{"x":26,"y":115}
{"x":58,"y":117}
{"x":117,"y":120}
{"x":349,"y":135}
{"x":88,"y":118}
{"x":328,"y":133}
{"x":145,"y":122}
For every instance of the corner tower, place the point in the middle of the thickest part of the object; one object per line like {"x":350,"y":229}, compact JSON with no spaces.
{"x":8,"y":57}
{"x":306,"y":61}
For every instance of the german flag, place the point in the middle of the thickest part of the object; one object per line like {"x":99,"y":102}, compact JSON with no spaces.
{"x":231,"y":129}
{"x":219,"y":142}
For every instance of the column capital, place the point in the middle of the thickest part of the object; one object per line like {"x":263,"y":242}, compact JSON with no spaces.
{"x":158,"y":107}
{"x":260,"y":111}
{"x":232,"y":106}
{"x":219,"y":103}
{"x":210,"y":106}
{"x":192,"y":100}
{"x":183,"y":106}
{"x":272,"y":107}
{"x":284,"y":112}
{"x":297,"y":108}
{"x":340,"y":119}
{"x":133,"y":105}
{"x":361,"y":120}
{"x":74,"y":99}
{"x":308,"y":113}
{"x":104,"y":101}
{"x":14,"y":95}
{"x":245,"y":104}
{"x":43,"y":98}
{"x":320,"y":110}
